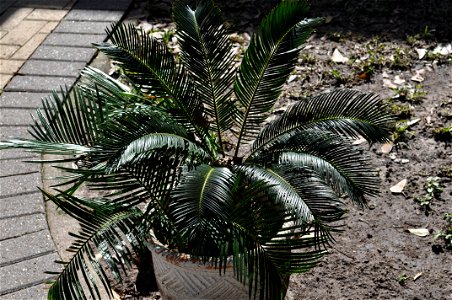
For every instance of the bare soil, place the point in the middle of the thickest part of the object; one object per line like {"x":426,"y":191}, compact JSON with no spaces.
{"x":376,"y":256}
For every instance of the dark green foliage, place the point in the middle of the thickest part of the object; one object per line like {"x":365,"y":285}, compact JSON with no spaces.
{"x":154,"y":146}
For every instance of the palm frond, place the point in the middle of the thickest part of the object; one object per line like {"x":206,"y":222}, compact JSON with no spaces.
{"x":94,"y":79}
{"x":131,"y":122}
{"x":347,"y":112}
{"x":266,"y":247}
{"x":104,"y":230}
{"x":164,"y":143}
{"x":267,"y":63}
{"x":148,"y":63}
{"x":199,"y":209}
{"x":67,"y":124}
{"x":206,"y":53}
{"x":282,"y":190}
{"x":70,"y":118}
{"x":339,"y":163}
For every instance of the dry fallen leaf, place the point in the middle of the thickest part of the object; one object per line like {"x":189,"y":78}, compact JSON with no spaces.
{"x":419,"y":231}
{"x":418,"y":77}
{"x":417,"y":276}
{"x":398,"y":80}
{"x":386,"y":148}
{"x":388,"y":83}
{"x":443,"y":49}
{"x":412,"y":122}
{"x":292,"y":78}
{"x":421,"y":52}
{"x":338,"y":57}
{"x":398,"y":188}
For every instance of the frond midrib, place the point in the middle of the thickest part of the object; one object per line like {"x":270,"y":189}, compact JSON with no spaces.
{"x":203,"y":190}
{"x":261,"y":75}
{"x":210,"y":78}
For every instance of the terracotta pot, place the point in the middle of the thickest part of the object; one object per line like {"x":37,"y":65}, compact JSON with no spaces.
{"x":181,"y":277}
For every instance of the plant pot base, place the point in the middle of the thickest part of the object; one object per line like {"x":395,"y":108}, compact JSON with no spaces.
{"x":181,"y":277}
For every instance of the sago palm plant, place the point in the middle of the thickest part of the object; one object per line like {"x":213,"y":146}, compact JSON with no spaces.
{"x":155,"y":144}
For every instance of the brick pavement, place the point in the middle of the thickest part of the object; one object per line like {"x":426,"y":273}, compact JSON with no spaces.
{"x":43,"y":44}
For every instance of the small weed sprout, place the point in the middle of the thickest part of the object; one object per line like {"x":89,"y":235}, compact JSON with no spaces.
{"x":446,"y":234}
{"x":412,"y":94}
{"x":433,"y":189}
{"x":402,"y":111}
{"x":402,"y":134}
{"x":399,"y":61}
{"x":402,"y":279}
{"x":443,"y":134}
{"x":308,"y":59}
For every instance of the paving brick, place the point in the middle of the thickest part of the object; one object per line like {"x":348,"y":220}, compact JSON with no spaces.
{"x":20,"y":34}
{"x":56,"y":4}
{"x":12,"y":132}
{"x":20,"y":205}
{"x":3,"y":33}
{"x":17,"y":153}
{"x":53,"y":68}
{"x":64,"y":53}
{"x":11,"y":167}
{"x":22,"y":99}
{"x":15,"y":185}
{"x":73,"y":39}
{"x":93,"y":15}
{"x":26,"y":50}
{"x":7,"y":51}
{"x":13,"y":16}
{"x":38,"y":292}
{"x":18,"y":226}
{"x":49,"y":27}
{"x":16,"y":116}
{"x":9,"y":66}
{"x":29,"y":245}
{"x":27,"y":272}
{"x":31,"y":83}
{"x":4,"y":79}
{"x":104,"y":5}
{"x":47,"y":14}
{"x":82,"y":27}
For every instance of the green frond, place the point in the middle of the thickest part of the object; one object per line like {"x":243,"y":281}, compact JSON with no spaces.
{"x":163,"y":143}
{"x":96,"y":80}
{"x":45,"y":147}
{"x":346,"y":112}
{"x":149,"y":64}
{"x":70,"y":119}
{"x":266,"y":247}
{"x":338,"y":162}
{"x":146,"y":61}
{"x":137,"y":183}
{"x":67,"y":124}
{"x":199,"y":210}
{"x":206,"y":53}
{"x":104,"y":230}
{"x":131,"y":122}
{"x":267,"y":63}
{"x":282,"y":190}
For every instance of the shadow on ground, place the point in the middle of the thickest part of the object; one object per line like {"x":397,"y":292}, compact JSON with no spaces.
{"x":393,"y":19}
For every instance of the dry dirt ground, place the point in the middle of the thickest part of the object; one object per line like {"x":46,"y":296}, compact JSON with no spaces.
{"x":400,"y":50}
